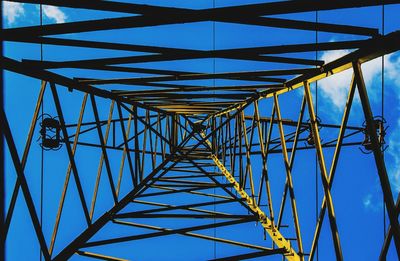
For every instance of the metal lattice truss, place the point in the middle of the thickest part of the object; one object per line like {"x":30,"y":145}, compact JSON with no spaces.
{"x":201,"y":143}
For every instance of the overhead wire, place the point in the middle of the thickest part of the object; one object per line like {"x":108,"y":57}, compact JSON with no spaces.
{"x":316,"y":114}
{"x":214,"y":65}
{"x":383,"y":108}
{"x":42,"y":152}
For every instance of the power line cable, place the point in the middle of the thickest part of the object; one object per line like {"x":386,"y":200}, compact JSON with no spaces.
{"x":214,"y":65}
{"x":42,"y":152}
{"x":383,"y":109}
{"x":316,"y":114}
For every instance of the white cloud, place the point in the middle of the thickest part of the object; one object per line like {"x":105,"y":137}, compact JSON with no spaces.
{"x":335,"y":87}
{"x":392,"y":69}
{"x":12,"y":11}
{"x":54,"y":13}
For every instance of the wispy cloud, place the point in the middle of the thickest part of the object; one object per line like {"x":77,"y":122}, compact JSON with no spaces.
{"x":393,"y":72}
{"x":393,"y":152}
{"x":54,"y":13}
{"x":371,"y":203}
{"x":12,"y":11}
{"x":367,"y":201}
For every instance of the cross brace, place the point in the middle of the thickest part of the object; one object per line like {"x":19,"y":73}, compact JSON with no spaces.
{"x":269,"y":227}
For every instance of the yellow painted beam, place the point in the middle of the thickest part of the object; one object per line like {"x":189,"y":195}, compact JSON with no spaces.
{"x":99,"y":256}
{"x":269,"y":227}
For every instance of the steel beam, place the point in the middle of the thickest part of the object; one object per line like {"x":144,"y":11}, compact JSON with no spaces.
{"x":377,"y":47}
{"x":378,"y":155}
{"x":6,"y":131}
{"x":324,"y":174}
{"x":70,"y":153}
{"x":335,"y":160}
{"x":236,"y":14}
{"x":289,"y":179}
{"x":24,"y":159}
{"x":195,"y":235}
{"x":275,"y":235}
{"x":67,"y":177}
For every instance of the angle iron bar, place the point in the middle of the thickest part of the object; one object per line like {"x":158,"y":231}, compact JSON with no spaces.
{"x":126,"y":151}
{"x":335,"y":160}
{"x":378,"y":155}
{"x":289,"y":179}
{"x":216,"y":239}
{"x":264,"y":220}
{"x":323,"y":172}
{"x":67,"y":177}
{"x":291,"y":160}
{"x":21,"y":68}
{"x":6,"y":131}
{"x":377,"y":47}
{"x":70,"y":153}
{"x":24,"y":159}
{"x":99,"y":256}
{"x":104,"y":155}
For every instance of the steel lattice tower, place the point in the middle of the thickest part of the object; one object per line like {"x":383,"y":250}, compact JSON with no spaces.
{"x":176,"y":159}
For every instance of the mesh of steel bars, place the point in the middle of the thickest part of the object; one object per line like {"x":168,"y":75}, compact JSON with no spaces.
{"x":166,"y":145}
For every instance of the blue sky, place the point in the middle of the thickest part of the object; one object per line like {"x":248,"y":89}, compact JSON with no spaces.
{"x":356,"y":192}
